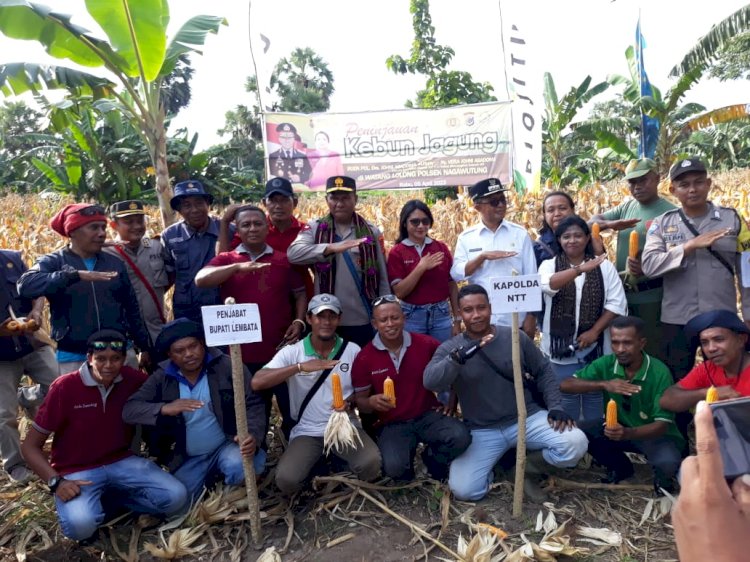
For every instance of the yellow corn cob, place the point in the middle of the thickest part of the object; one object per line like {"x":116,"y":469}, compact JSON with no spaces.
{"x":338,"y":395}
{"x":595,"y":231}
{"x":633,"y":247}
{"x":611,"y":419}
{"x":389,"y":390}
{"x":712,"y":395}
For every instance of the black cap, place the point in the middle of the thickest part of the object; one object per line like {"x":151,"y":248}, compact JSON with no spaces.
{"x":176,"y":330}
{"x":340,"y":183}
{"x":286,"y":128}
{"x":279,"y":185}
{"x":188,"y":189}
{"x":126,"y":208}
{"x":715,"y":319}
{"x":485,"y":188}
{"x":684,"y":166}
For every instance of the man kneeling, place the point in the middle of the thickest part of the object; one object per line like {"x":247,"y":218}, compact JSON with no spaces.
{"x":636,"y":382}
{"x":190,"y":401}
{"x":306,"y":366}
{"x":91,"y":460}
{"x":414,"y":416}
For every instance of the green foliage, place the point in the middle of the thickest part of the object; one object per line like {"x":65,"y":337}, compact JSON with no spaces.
{"x":302,"y":83}
{"x":733,"y":60}
{"x":21,"y":129}
{"x":443,"y":87}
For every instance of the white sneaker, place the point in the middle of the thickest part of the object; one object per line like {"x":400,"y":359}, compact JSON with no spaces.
{"x":20,"y":474}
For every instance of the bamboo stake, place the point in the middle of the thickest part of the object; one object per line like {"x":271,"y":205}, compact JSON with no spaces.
{"x":240,"y":414}
{"x":521,"y":406}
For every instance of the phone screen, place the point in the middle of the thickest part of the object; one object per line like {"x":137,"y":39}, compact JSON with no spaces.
{"x":732,"y":421}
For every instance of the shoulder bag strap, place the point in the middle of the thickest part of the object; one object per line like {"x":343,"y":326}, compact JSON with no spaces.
{"x":318,"y":383}
{"x":139,"y":274}
{"x":714,"y":253}
{"x":357,"y":279}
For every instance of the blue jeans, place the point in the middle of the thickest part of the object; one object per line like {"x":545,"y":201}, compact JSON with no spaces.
{"x":586,"y":407}
{"x":226,"y":460}
{"x":431,"y":319}
{"x":141,"y":486}
{"x":471,"y":472}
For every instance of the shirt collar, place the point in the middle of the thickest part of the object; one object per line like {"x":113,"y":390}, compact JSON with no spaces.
{"x":377,"y":341}
{"x":619,"y":370}
{"x":310,"y":350}
{"x":213,"y":228}
{"x":242,"y":249}
{"x":172,"y":370}
{"x":483,"y":226}
{"x":88,"y":379}
{"x":407,"y":242}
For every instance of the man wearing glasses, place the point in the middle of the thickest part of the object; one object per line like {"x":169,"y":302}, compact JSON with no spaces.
{"x":494,"y":247}
{"x":87,"y":289}
{"x":635,"y":381}
{"x":288,"y":162}
{"x":89,"y":482}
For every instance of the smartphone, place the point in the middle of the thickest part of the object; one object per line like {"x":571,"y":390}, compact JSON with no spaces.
{"x":732,"y":422}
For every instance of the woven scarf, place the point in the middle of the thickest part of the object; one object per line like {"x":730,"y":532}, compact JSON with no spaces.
{"x":326,"y":270}
{"x":563,"y":311}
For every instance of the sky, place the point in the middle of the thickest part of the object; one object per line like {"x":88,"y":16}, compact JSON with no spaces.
{"x":572,"y":39}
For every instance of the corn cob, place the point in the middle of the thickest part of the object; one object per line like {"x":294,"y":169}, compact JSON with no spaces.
{"x":633,"y":247}
{"x":595,"y":231}
{"x":611,"y":419}
{"x":712,"y":395}
{"x":389,"y":390}
{"x":338,"y":396}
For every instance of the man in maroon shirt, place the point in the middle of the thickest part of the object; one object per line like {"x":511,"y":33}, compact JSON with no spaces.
{"x":416,"y":414}
{"x":283,"y":227}
{"x":256,"y":273}
{"x":85,"y":407}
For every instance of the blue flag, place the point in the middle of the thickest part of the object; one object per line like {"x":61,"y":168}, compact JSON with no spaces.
{"x":649,"y":125}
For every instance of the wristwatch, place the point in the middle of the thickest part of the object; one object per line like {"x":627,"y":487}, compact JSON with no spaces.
{"x":54,"y":482}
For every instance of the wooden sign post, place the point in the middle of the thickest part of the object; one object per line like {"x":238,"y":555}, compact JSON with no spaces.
{"x":233,"y":325}
{"x":519,"y":293}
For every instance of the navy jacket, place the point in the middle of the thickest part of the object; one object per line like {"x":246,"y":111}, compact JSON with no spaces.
{"x":78,"y":308}
{"x":11,"y":269}
{"x":167,"y":439}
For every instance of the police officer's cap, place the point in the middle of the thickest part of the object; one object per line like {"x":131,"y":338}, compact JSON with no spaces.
{"x":486,"y":188}
{"x":126,"y":209}
{"x":286,"y":128}
{"x":340,"y":183}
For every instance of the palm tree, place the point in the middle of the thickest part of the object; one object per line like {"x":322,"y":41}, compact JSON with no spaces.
{"x":303,"y":82}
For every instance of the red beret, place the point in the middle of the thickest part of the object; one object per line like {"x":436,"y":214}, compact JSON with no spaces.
{"x":70,"y":218}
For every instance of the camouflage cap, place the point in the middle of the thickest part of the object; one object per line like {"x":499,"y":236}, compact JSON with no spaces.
{"x":639,"y":168}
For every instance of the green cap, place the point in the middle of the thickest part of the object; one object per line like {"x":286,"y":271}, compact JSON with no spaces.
{"x":637,"y":168}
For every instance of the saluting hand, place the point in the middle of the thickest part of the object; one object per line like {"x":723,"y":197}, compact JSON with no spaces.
{"x":498,"y":254}
{"x":618,"y":386}
{"x":622,"y":224}
{"x":314,"y":365}
{"x":97,"y":275}
{"x":247,"y":266}
{"x":430,"y":261}
{"x":592,"y":264}
{"x":343,"y":246}
{"x":181,"y":405}
{"x":706,"y":239}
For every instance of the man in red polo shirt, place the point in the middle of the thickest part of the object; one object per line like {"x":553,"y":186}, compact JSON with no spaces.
{"x":415,"y":416}
{"x":91,"y":456}
{"x":283,"y":226}
{"x":256,"y":273}
{"x":723,"y":338}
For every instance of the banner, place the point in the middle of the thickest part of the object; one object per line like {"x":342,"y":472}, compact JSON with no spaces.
{"x":649,"y":125}
{"x":524,"y":85}
{"x":408,"y":148}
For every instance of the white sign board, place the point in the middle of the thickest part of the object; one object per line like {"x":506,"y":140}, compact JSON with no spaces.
{"x":518,"y":293}
{"x":231,"y":324}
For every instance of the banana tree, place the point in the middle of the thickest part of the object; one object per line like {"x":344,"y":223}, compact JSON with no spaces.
{"x":137,"y":58}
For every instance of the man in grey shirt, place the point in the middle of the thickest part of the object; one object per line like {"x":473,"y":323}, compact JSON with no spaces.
{"x":478,"y":365}
{"x":347,"y":254}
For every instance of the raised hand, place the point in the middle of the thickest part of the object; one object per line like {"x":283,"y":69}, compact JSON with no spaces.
{"x":619,"y":386}
{"x":622,"y":224}
{"x":314,"y":365}
{"x":592,"y":264}
{"x":498,"y":254}
{"x":181,"y":405}
{"x":97,"y":275}
{"x":343,"y":246}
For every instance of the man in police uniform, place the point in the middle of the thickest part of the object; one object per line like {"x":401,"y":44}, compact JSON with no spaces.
{"x":696,"y":250}
{"x":287,"y":162}
{"x":494,"y":247}
{"x":146,"y":260}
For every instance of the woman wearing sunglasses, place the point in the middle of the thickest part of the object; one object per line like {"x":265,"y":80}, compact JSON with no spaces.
{"x":419,"y":269}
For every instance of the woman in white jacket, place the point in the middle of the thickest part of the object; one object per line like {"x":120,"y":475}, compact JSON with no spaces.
{"x":582,"y":295}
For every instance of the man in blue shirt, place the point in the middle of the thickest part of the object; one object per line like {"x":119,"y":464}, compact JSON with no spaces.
{"x":191,"y":243}
{"x":189,"y":402}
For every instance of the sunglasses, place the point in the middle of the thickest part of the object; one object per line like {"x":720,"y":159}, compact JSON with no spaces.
{"x":91,"y":211}
{"x":118,"y":346}
{"x":385,"y":299}
{"x":416,"y":222}
{"x":496,"y":202}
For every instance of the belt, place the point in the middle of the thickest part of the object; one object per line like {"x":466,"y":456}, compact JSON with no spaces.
{"x":650,"y":284}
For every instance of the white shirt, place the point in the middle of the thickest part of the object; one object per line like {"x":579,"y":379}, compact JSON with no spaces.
{"x":508,"y":237}
{"x":614,"y":300}
{"x":319,"y":409}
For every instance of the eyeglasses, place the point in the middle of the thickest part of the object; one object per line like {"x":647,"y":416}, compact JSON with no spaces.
{"x":416,"y":222}
{"x":385,"y":299}
{"x":118,"y":346}
{"x":91,"y":211}
{"x":496,"y":202}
